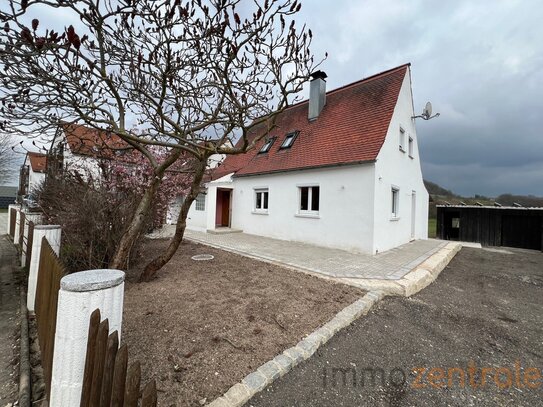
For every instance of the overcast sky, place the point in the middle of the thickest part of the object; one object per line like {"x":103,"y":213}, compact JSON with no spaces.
{"x":479,"y":62}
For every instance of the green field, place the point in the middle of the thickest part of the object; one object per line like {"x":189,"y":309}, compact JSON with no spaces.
{"x":3,"y":210}
{"x":432,"y":228}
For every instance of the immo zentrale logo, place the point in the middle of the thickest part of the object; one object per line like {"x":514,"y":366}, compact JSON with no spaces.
{"x":471,"y":375}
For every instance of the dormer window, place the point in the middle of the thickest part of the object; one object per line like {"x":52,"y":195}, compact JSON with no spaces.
{"x":267,"y":145}
{"x":289,"y":139}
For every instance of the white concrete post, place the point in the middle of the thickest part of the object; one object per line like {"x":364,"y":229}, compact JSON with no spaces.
{"x":29,"y":217}
{"x":10,"y":207}
{"x":17,"y":226}
{"x":52,"y":233}
{"x":80,"y":294}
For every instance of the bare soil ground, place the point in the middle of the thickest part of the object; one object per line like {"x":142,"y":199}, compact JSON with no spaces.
{"x":485,"y":311}
{"x":201,"y":326}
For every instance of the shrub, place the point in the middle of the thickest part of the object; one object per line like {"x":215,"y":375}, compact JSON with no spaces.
{"x":92,"y":216}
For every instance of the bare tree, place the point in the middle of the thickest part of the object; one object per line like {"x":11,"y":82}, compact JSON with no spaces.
{"x":6,"y":158}
{"x":199,"y":78}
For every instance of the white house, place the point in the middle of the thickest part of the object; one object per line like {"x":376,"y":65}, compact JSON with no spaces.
{"x":32,"y":172}
{"x":80,"y":148}
{"x":340,"y":170}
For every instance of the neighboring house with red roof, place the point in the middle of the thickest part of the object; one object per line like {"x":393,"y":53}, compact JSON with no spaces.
{"x":80,"y":148}
{"x":83,"y":149}
{"x":341,"y":170}
{"x":32,"y":172}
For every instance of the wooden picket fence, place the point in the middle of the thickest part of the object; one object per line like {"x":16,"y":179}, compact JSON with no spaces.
{"x":22,"y":219}
{"x":28,"y":245}
{"x":12,"y":221}
{"x":107,"y":379}
{"x":50,"y":272}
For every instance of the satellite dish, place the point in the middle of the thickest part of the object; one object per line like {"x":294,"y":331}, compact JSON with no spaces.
{"x":427,"y":110}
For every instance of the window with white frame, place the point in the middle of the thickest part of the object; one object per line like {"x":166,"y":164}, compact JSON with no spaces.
{"x":261,"y":199}
{"x":309,"y":199}
{"x":410,"y":147}
{"x":395,"y":202}
{"x":402,"y":139}
{"x":200,"y":202}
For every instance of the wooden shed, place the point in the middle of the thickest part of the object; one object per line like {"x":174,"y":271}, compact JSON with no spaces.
{"x":491,"y":226}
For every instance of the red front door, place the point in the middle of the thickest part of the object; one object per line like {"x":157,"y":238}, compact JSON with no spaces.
{"x":223,"y":208}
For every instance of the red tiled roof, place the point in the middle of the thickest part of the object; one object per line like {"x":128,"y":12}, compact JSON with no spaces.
{"x":351,"y":128}
{"x":38,"y":161}
{"x":83,"y":140}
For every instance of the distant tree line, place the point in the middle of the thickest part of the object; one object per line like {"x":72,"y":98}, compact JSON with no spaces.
{"x":440,"y":195}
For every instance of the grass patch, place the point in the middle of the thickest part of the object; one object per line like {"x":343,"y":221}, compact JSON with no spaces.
{"x":3,"y":210}
{"x":432,"y":228}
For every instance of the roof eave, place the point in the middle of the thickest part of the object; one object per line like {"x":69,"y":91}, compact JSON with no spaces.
{"x":315,"y":167}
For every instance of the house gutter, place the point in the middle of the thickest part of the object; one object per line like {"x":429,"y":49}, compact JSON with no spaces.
{"x":315,"y":167}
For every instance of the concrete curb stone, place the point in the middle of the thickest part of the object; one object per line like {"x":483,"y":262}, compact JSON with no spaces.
{"x":238,"y":394}
{"x":284,"y":363}
{"x":255,"y":382}
{"x":295,"y":354}
{"x":270,"y":371}
{"x":220,"y":402}
{"x":429,"y":270}
{"x":418,"y":278}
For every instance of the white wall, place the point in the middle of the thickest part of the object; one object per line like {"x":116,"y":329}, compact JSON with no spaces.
{"x":35,"y":179}
{"x":86,"y":165}
{"x":345,"y":217}
{"x":396,"y":168}
{"x":196,"y":220}
{"x":214,"y":160}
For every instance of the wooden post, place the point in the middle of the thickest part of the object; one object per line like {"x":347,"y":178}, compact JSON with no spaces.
{"x":109,"y":366}
{"x":52,"y":234}
{"x":119,"y":377}
{"x":133,"y":381}
{"x":89,"y":359}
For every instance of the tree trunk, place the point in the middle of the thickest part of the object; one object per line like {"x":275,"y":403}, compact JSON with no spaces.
{"x":120,"y":259}
{"x":160,"y":261}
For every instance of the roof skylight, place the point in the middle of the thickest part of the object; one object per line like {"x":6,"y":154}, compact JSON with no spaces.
{"x":267,"y":145}
{"x":289,"y":139}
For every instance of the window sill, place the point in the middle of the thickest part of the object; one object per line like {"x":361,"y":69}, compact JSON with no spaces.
{"x":394,"y":218}
{"x":308,"y":215}
{"x":254,"y":212}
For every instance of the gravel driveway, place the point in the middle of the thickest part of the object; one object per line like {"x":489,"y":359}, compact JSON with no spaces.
{"x":485,"y":311}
